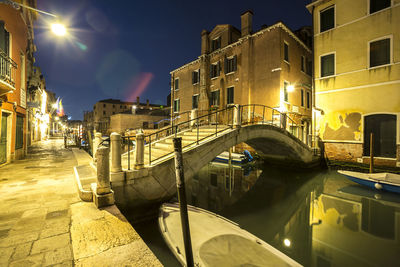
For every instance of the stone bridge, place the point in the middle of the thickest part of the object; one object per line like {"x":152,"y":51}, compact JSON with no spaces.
{"x":152,"y":182}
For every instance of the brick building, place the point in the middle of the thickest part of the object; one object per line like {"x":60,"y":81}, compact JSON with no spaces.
{"x":271,"y":66}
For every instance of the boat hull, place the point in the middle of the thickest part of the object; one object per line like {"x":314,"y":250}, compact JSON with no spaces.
{"x":376,"y":184}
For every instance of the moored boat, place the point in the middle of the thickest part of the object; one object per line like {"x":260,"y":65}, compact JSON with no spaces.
{"x":236,"y":158}
{"x":381,"y":181}
{"x":217,"y":241}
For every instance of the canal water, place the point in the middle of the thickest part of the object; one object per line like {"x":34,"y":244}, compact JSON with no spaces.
{"x":316,"y":217}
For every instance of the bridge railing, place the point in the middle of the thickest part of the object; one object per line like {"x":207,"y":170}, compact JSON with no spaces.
{"x":213,"y":118}
{"x":217,"y":121}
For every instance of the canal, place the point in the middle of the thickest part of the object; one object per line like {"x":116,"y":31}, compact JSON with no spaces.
{"x":317,"y":217}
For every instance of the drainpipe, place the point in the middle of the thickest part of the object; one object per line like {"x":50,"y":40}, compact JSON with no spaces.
{"x":313,"y":115}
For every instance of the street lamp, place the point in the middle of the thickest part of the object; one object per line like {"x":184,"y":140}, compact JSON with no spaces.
{"x":58,"y":29}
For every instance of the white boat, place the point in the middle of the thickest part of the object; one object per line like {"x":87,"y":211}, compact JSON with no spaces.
{"x":217,"y":241}
{"x":381,"y":181}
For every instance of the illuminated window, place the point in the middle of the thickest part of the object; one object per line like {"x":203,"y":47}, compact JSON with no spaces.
{"x":195,"y":76}
{"x":176,"y":84}
{"x":195,"y":101}
{"x":376,"y":5}
{"x":327,"y":65}
{"x":215,"y":69}
{"x":379,"y":52}
{"x":215,"y":98}
{"x":230,"y":64}
{"x":230,"y":95}
{"x":176,"y":105}
{"x":216,"y":44}
{"x":327,"y":19}
{"x":286,"y":51}
{"x":285,"y":91}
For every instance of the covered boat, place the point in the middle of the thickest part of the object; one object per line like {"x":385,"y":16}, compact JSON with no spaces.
{"x":217,"y":241}
{"x":236,"y":158}
{"x":382,"y":181}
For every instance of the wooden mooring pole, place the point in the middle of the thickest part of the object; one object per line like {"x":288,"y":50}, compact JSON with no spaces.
{"x":180,"y":184}
{"x":371,"y":153}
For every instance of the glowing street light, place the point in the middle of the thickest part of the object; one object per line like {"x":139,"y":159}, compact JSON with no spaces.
{"x":287,"y":242}
{"x":58,"y":29}
{"x":290,"y":88}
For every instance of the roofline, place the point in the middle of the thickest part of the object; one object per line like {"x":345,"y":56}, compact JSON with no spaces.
{"x":278,"y":24}
{"x":314,"y":3}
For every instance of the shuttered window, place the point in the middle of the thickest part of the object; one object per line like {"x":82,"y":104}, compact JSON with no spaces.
{"x":379,"y":52}
{"x":215,"y":69}
{"x":230,"y":64}
{"x":215,"y":98}
{"x":19,"y":133}
{"x":327,"y":19}
{"x":195,"y":76}
{"x":328,"y":65}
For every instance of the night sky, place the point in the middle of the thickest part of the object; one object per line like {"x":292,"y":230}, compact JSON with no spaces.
{"x":122,"y":49}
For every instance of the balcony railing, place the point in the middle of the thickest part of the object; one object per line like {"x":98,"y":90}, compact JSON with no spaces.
{"x":7,"y":69}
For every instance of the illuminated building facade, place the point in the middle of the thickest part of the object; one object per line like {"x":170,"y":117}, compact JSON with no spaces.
{"x":271,"y":66}
{"x":357,"y":78}
{"x":16,"y":48}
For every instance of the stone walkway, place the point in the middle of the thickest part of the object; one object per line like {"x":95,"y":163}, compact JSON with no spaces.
{"x":35,"y":198}
{"x":44,"y":223}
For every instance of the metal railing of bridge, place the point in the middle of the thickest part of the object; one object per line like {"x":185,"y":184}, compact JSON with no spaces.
{"x":222,"y":120}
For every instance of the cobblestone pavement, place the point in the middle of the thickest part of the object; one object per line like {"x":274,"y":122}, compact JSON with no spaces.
{"x":35,"y":215}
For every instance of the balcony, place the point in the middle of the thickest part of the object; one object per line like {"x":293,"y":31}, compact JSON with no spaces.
{"x":7,"y":73}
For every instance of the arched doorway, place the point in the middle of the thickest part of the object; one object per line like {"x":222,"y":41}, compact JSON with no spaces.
{"x":383,"y":126}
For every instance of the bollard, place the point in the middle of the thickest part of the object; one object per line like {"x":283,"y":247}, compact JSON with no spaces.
{"x":139,"y":149}
{"x":283,"y":120}
{"x":116,"y":151}
{"x":96,"y":143}
{"x":102,"y":193}
{"x":236,"y":116}
{"x":193,"y":116}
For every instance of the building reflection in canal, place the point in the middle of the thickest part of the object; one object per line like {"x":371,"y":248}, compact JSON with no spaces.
{"x":317,"y":217}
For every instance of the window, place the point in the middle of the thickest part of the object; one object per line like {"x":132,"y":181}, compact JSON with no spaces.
{"x":104,"y":105}
{"x":216,"y":44}
{"x":327,"y":19}
{"x":120,"y":106}
{"x":215,"y":98}
{"x":176,"y":105}
{"x":19,"y":132}
{"x":286,"y":51}
{"x":113,"y":113}
{"x":176,"y":84}
{"x":230,"y":64}
{"x":309,"y":67}
{"x":308,"y":100}
{"x":104,"y":113}
{"x":328,"y":65}
{"x":113,"y":106}
{"x":215,"y":69}
{"x":195,"y":101}
{"x":285,"y":91}
{"x":379,"y":52}
{"x":230,"y":95}
{"x":4,"y":39}
{"x":303,"y":64}
{"x":195,"y":76}
{"x":376,"y":5}
{"x":214,"y":179}
{"x":302,"y":97}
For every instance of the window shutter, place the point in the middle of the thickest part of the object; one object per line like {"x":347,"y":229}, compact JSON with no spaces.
{"x":211,"y":70}
{"x":219,"y":67}
{"x":235,"y":63}
{"x":192,"y":77}
{"x":2,"y":36}
{"x":226,"y":65}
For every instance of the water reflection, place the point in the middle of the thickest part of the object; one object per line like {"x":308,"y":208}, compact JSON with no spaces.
{"x":318,"y":218}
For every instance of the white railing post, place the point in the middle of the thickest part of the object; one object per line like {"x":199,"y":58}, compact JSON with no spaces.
{"x":283,"y":120}
{"x":115,"y":143}
{"x":193,"y":116}
{"x":236,"y":116}
{"x":102,"y":193}
{"x":96,"y":143}
{"x":139,"y":149}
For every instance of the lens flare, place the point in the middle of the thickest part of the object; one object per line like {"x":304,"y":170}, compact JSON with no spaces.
{"x":58,"y":29}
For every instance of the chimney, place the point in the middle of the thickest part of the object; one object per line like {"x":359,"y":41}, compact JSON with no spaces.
{"x":247,"y":22}
{"x":147,"y":104}
{"x":137,"y":101}
{"x":204,"y":42}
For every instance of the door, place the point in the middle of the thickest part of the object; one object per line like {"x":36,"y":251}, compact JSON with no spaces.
{"x":383,"y":126}
{"x":3,"y":139}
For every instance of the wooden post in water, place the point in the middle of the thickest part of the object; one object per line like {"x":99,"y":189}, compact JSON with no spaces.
{"x":180,"y":184}
{"x":371,"y":153}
